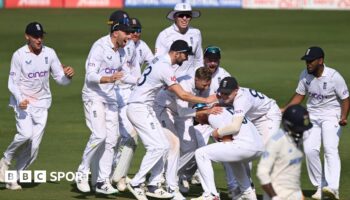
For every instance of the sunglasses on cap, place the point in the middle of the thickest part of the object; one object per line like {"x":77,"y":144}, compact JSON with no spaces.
{"x":182,"y":15}
{"x":136,"y":30}
{"x":123,"y":21}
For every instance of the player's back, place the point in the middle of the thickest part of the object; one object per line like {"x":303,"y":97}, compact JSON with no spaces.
{"x":160,"y":73}
{"x":247,"y":134}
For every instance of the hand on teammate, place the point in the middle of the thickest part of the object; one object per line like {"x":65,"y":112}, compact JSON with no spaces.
{"x":211,"y":99}
{"x":23,"y":104}
{"x":68,"y":71}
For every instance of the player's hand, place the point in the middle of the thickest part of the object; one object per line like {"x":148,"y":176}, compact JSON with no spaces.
{"x":343,"y":122}
{"x":116,"y":76}
{"x":68,"y":71}
{"x":216,"y":135}
{"x":23,"y":104}
{"x":211,"y":99}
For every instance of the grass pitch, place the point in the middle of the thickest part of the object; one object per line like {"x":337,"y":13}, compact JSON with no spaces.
{"x":261,"y":48}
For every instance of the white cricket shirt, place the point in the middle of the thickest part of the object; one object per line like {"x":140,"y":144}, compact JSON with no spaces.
{"x":29,"y":76}
{"x":324,"y":92}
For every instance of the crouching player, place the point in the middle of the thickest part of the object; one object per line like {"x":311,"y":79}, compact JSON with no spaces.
{"x":237,"y":150}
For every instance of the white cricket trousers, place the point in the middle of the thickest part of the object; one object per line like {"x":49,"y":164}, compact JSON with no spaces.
{"x":127,"y":142}
{"x":236,"y":153}
{"x":102,"y":120}
{"x":147,"y":126}
{"x":325,"y":130}
{"x":168,"y":121}
{"x":30,"y":125}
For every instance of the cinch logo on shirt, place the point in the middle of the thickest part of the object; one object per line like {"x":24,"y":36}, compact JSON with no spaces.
{"x":319,"y":96}
{"x":111,"y":70}
{"x":38,"y":74}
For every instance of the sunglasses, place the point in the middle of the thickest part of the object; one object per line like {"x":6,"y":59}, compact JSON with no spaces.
{"x":136,"y":30}
{"x":182,"y":15}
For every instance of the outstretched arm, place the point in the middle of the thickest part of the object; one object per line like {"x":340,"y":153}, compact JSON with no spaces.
{"x":296,"y":99}
{"x":186,"y":96}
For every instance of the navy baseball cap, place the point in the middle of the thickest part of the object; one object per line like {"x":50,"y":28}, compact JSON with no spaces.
{"x":135,"y":25}
{"x":313,"y":53}
{"x":119,"y":21}
{"x":212,"y":52}
{"x":227,"y":85}
{"x":181,"y":46}
{"x":35,"y":29}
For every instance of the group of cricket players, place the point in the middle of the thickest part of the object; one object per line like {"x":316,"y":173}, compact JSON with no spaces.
{"x":183,"y":98}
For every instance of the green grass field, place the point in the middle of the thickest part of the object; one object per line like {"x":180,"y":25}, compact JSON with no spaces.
{"x":261,"y":48}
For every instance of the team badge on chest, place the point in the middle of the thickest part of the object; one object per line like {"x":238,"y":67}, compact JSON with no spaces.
{"x":324,"y":85}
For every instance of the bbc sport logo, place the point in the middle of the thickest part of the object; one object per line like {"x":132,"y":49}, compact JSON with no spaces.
{"x":40,"y":176}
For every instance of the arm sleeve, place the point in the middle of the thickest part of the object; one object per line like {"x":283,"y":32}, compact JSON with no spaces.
{"x":57,"y":71}
{"x":301,"y":89}
{"x":93,"y":64}
{"x":198,"y":58}
{"x":267,"y":162}
{"x":14,"y":78}
{"x":341,"y":88}
{"x":241,"y":104}
{"x":131,"y":73}
{"x":161,"y":47}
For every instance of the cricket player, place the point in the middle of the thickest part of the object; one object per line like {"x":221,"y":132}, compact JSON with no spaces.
{"x":280,"y":166}
{"x":261,"y":110}
{"x":176,"y":118}
{"x":235,"y":148}
{"x":161,"y":73}
{"x":328,"y":106}
{"x":212,"y":57}
{"x":106,"y":64}
{"x":143,"y":52}
{"x":31,"y":66}
{"x":181,"y":29}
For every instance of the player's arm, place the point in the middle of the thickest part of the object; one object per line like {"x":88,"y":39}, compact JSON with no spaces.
{"x":296,"y":99}
{"x":342,"y":92}
{"x":345,"y":106}
{"x":58,"y":72}
{"x":231,"y":129}
{"x":186,"y":96}
{"x":13,"y":82}
{"x":265,"y":166}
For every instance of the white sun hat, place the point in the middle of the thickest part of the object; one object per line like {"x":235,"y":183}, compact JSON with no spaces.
{"x":183,"y":8}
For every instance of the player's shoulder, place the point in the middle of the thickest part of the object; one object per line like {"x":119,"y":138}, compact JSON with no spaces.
{"x":193,"y":30}
{"x":222,"y":72}
{"x":333,"y":73}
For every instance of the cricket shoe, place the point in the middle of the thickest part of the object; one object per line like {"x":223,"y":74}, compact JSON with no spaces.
{"x":13,"y":186}
{"x":122,"y":183}
{"x":176,"y":194}
{"x":158,"y":192}
{"x":82,"y":181}
{"x":317,"y":195}
{"x":137,"y":191}
{"x":105,"y":188}
{"x":234,"y":193}
{"x":247,"y":195}
{"x":184,"y":186}
{"x":330,"y":193}
{"x":207,"y":197}
{"x":195,"y":180}
{"x":4,"y":166}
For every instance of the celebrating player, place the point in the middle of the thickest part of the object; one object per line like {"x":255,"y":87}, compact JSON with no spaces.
{"x":28,"y":83}
{"x":328,"y":104}
{"x":106,"y":64}
{"x":236,"y":148}
{"x":160,"y":73}
{"x":181,"y":30}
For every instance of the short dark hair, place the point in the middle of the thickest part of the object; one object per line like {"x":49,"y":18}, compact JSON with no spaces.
{"x":203,"y":73}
